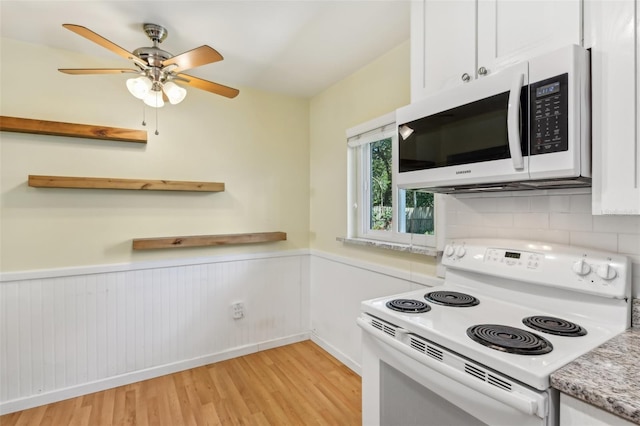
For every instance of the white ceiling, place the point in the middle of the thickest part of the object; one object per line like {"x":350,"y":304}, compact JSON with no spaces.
{"x":295,"y":47}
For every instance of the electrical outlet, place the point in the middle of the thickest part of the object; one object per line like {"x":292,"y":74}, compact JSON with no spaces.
{"x":237,"y":310}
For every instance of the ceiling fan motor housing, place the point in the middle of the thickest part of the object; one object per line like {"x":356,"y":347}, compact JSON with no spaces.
{"x":157,"y":33}
{"x":154,"y":56}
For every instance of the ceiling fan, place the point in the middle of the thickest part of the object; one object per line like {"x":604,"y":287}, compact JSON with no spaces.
{"x":158,"y":70}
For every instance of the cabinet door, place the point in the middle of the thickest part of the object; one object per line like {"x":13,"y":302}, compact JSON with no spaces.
{"x":443,"y":37}
{"x":510,"y":31}
{"x":574,"y":412}
{"x":611,"y":27}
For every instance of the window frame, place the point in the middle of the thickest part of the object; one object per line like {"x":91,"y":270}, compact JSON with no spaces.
{"x":359,"y":139}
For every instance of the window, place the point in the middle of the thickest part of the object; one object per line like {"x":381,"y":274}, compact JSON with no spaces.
{"x":378,"y":209}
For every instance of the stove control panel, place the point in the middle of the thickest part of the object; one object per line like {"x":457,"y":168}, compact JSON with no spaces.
{"x":554,"y":265}
{"x":526,"y":260}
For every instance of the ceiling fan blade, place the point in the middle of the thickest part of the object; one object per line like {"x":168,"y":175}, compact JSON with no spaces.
{"x":209,"y":86}
{"x":193,"y":58}
{"x":98,"y":39}
{"x":97,"y":70}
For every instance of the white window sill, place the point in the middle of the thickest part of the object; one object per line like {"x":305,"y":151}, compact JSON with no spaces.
{"x":407,"y":248}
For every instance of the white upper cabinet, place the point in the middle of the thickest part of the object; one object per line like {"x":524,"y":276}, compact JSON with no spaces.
{"x":457,"y":41}
{"x":443,"y":45}
{"x":610,"y":31}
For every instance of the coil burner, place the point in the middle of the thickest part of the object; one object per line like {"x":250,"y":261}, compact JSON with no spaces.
{"x":408,"y":306}
{"x":509,"y":339}
{"x":555,"y":326}
{"x":451,"y":298}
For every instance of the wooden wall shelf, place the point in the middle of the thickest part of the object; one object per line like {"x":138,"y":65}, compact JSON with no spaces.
{"x":56,"y":128}
{"x":112,"y":183}
{"x":207,"y":240}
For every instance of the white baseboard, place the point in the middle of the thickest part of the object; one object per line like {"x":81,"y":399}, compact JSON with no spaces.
{"x":340,"y":356}
{"x":149,"y":373}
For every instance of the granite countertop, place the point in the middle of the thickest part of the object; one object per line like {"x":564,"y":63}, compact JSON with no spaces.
{"x":608,"y":376}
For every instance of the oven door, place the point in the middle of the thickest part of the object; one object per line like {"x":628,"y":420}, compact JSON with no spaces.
{"x":418,"y":383}
{"x":473,"y":134}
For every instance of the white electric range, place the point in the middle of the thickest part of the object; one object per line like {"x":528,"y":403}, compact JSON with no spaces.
{"x":480,"y":348}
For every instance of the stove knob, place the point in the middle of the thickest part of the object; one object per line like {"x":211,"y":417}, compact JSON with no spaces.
{"x":448,"y":250}
{"x":461,"y":251}
{"x":581,"y":267}
{"x":606,"y":272}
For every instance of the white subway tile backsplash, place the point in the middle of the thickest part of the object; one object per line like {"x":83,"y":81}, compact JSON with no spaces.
{"x":497,"y":220}
{"x":552,"y":236}
{"x":470,"y":219}
{"x":540,"y":204}
{"x":455,"y":231}
{"x":495,"y":204}
{"x":513,"y":204}
{"x":571,"y":221}
{"x":560,"y":204}
{"x":481,"y":205}
{"x":515,"y":233}
{"x":563,"y":218}
{"x":551,"y":203}
{"x":580,"y":203}
{"x":531,"y":220}
{"x":484,"y":232}
{"x":629,"y":244}
{"x":521,"y":204}
{"x":546,"y":235}
{"x":452,"y":203}
{"x":596,"y":240}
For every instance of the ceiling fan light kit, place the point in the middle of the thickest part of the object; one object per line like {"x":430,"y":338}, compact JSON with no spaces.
{"x":154,"y":99}
{"x":175,"y":93}
{"x":139,"y":86}
{"x":158,"y":70}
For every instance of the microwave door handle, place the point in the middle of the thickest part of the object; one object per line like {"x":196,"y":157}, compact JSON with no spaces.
{"x":513,"y":123}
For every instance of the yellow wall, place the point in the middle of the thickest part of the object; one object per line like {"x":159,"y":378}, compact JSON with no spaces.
{"x":283,"y":161}
{"x":376,"y":89}
{"x":257,"y":144}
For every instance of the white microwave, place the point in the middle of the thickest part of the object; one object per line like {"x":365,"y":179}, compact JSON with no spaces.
{"x":524,"y":127}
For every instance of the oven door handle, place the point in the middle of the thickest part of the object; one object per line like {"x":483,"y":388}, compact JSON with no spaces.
{"x":516,"y":400}
{"x":513,"y":122}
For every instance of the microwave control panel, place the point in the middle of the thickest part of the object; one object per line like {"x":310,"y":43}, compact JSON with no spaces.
{"x":549,"y":100}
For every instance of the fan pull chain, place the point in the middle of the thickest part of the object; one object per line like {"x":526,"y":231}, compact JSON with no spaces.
{"x":157,"y":133}
{"x":144,"y":123}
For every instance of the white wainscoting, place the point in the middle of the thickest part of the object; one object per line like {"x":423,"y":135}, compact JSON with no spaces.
{"x":338,"y":285}
{"x":70,"y":332}
{"x":65,"y":333}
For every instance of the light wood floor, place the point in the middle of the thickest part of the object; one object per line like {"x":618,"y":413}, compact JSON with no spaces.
{"x":298,"y":384}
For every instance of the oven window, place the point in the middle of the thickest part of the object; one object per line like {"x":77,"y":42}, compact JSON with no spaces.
{"x":471,"y":133}
{"x":403,"y":401}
